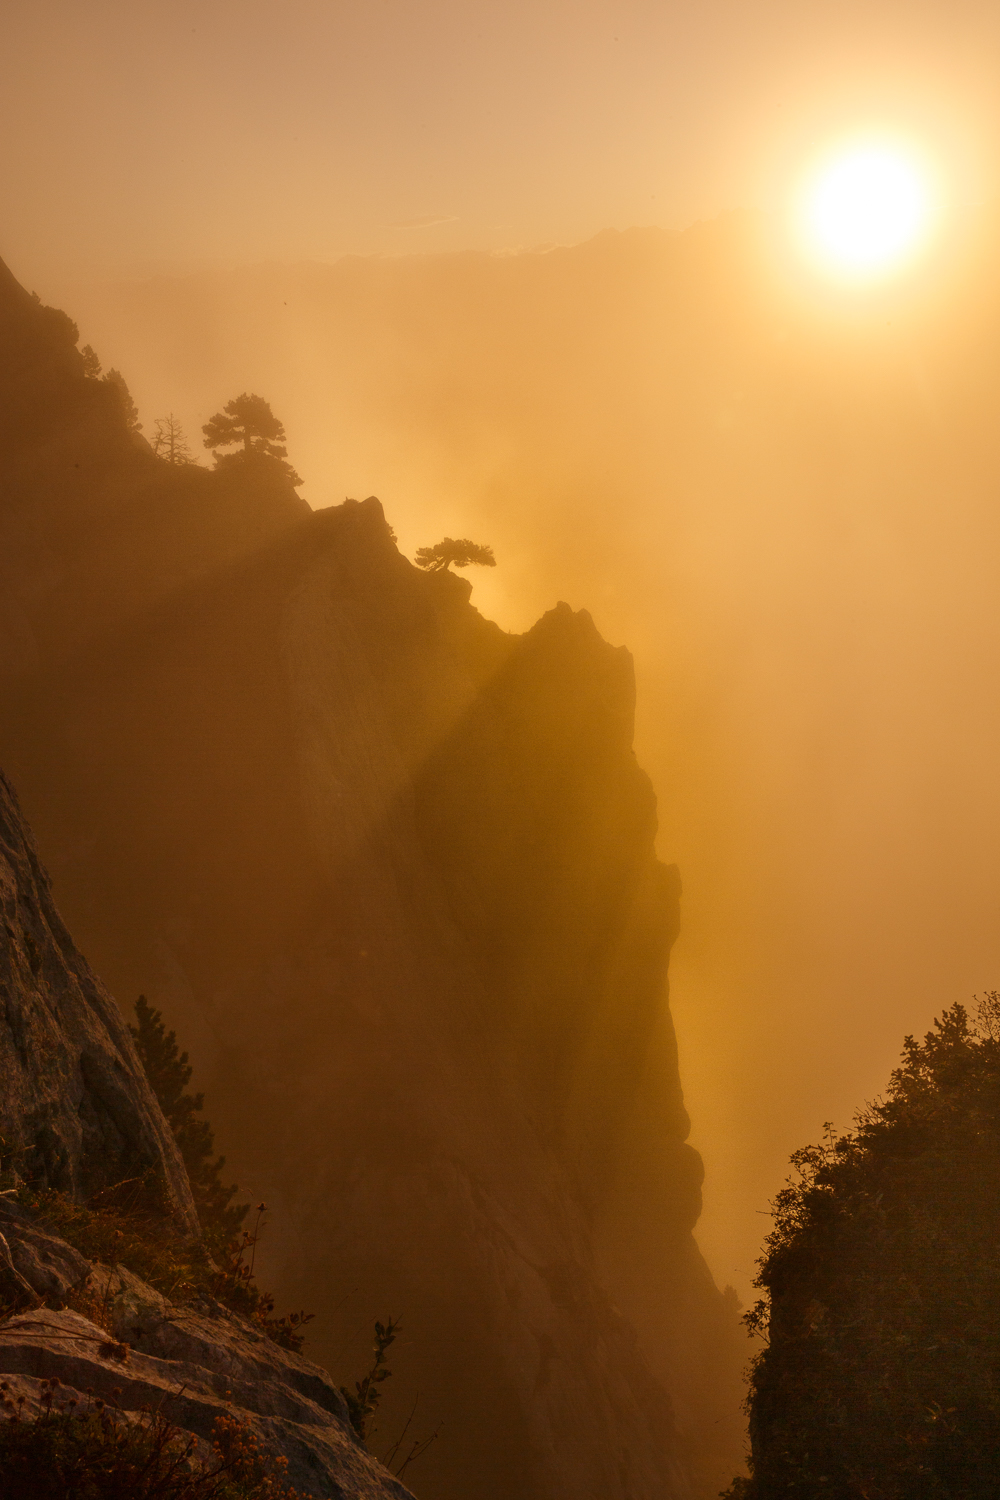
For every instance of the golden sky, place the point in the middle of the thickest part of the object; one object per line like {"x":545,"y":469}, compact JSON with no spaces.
{"x":162,"y":132}
{"x":784,"y":503}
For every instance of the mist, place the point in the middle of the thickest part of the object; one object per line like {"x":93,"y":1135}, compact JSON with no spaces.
{"x":782,"y":499}
{"x":524,"y":275}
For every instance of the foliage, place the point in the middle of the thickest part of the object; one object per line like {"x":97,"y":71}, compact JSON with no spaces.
{"x":461,"y":553}
{"x":99,"y":1452}
{"x":169,"y":442}
{"x":249,"y":420}
{"x":363,"y":1403}
{"x":140,"y":1238}
{"x":128,"y":1225}
{"x":91,"y":363}
{"x":881,"y":1282}
{"x":169,"y":1073}
{"x":116,"y":380}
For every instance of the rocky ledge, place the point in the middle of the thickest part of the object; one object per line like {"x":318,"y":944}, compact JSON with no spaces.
{"x":192,"y":1362}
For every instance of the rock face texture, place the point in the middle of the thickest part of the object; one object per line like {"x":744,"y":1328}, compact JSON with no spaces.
{"x":77,"y":1114}
{"x":76,"y":1110}
{"x":192,"y":1363}
{"x":390,"y":872}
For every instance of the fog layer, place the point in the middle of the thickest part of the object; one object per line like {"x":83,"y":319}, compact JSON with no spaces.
{"x":784,"y":500}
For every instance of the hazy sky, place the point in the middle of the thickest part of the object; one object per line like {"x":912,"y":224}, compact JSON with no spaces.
{"x":841,"y":881}
{"x":157,"y":132}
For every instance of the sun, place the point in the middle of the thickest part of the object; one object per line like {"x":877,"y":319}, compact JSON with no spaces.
{"x":865,"y":209}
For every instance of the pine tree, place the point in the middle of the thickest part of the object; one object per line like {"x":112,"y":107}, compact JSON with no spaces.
{"x":248,"y":420}
{"x":116,"y":380}
{"x":169,"y":1074}
{"x":461,"y":554}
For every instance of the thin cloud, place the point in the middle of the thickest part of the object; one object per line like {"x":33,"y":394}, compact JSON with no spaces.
{"x":425,"y":223}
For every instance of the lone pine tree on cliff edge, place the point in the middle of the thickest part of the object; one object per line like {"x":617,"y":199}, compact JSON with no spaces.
{"x":249,"y":421}
{"x":459,"y":554}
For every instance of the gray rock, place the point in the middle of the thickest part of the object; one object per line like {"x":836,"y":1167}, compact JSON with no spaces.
{"x":214,"y":1368}
{"x":46,"y":1265}
{"x":76,"y":1110}
{"x":15,"y":1291}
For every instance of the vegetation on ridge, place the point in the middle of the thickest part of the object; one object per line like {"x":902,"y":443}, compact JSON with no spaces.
{"x":881,"y":1279}
{"x":460,"y":554}
{"x":169,"y":442}
{"x":248,"y":424}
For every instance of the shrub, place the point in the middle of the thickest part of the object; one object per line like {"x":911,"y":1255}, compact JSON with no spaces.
{"x":362,"y":1403}
{"x":99,"y":1452}
{"x":135,"y":1237}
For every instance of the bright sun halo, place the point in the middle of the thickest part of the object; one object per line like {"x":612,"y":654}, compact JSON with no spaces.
{"x":865,"y":209}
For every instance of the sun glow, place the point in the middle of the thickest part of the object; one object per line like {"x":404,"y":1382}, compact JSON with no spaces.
{"x":865,"y":209}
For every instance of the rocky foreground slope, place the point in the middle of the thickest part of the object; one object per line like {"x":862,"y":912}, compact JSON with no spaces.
{"x":77,"y":1115}
{"x":194,"y":1363}
{"x":391,"y":873}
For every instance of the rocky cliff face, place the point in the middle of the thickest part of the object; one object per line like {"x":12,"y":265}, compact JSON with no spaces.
{"x":77,"y":1114}
{"x":391,"y":873}
{"x":76,"y":1111}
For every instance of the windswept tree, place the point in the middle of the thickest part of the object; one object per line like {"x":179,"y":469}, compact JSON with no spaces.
{"x":248,"y":425}
{"x":460,"y":554}
{"x":169,"y":442}
{"x":116,"y":380}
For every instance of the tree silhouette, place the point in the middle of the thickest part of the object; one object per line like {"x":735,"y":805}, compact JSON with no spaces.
{"x":169,"y":442}
{"x":169,"y":1074}
{"x":91,"y":363}
{"x":116,"y":380}
{"x":881,"y":1291}
{"x":461,"y":553}
{"x":249,"y":421}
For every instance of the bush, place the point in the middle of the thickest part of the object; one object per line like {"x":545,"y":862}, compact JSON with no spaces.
{"x":99,"y":1452}
{"x":362,"y":1402}
{"x":140,"y":1240}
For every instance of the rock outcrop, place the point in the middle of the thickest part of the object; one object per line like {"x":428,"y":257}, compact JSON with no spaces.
{"x":77,"y":1115}
{"x":391,"y":873}
{"x":192,"y":1363}
{"x":76,"y":1110}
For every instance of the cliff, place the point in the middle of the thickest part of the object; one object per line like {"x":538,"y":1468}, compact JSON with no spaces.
{"x":77,"y":1115}
{"x":391,"y":874}
{"x":76,"y":1111}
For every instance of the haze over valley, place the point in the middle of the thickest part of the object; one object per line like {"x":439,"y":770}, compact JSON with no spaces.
{"x":781,"y":498}
{"x":499,"y":643}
